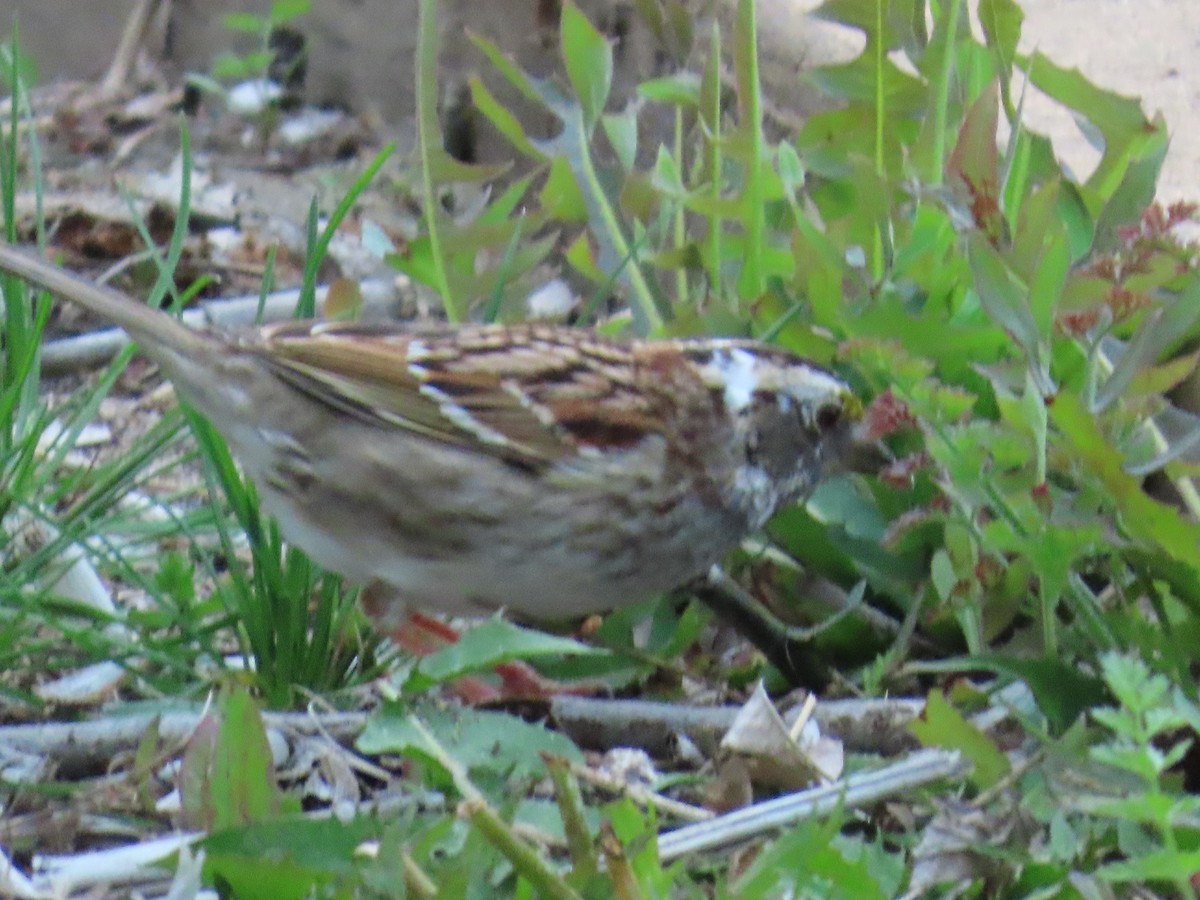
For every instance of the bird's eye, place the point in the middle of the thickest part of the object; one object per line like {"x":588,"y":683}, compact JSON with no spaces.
{"x":828,"y":416}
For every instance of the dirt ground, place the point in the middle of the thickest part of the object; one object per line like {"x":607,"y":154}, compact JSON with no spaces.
{"x":1148,"y":49}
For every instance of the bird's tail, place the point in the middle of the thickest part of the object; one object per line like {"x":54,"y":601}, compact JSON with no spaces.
{"x":155,"y":331}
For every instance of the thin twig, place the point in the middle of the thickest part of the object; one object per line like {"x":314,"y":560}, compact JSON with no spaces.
{"x":860,"y":789}
{"x":641,"y":796}
{"x":864,"y":726}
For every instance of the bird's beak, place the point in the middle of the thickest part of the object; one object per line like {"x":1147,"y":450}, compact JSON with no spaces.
{"x":863,"y":453}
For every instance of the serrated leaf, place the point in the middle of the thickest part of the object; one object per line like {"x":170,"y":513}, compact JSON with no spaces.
{"x":831,"y":867}
{"x":1118,"y":118}
{"x":1132,"y":145}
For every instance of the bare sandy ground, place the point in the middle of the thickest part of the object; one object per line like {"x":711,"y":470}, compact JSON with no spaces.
{"x":1141,"y":48}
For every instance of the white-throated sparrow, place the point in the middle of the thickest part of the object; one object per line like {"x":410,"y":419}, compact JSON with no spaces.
{"x":541,"y":468}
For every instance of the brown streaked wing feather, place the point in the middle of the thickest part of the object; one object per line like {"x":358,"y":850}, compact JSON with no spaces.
{"x":339,"y":365}
{"x":539,"y":393}
{"x":589,"y":386}
{"x":333,"y":375}
{"x":367,"y":371}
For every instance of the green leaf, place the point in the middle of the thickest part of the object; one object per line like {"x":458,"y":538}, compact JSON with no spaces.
{"x":680,"y":89}
{"x":898,"y":18}
{"x":749,"y":147}
{"x":667,"y":178}
{"x":1001,"y":23}
{"x":1063,"y":692}
{"x":286,"y":859}
{"x":974,"y":164}
{"x":942,"y":575}
{"x":1006,"y":300}
{"x":244,"y":22}
{"x":487,"y":645}
{"x":503,"y":119}
{"x":621,"y":129}
{"x":230,"y":67}
{"x":846,"y":502}
{"x":501,"y":210}
{"x":429,"y":145}
{"x":831,"y":868}
{"x":1163,"y":865}
{"x":481,"y":741}
{"x":1139,"y":169}
{"x":227,"y":778}
{"x":561,"y":196}
{"x":589,"y":62}
{"x":583,"y":260}
{"x":1074,"y":214}
{"x":941,"y":725}
{"x":1154,"y":333}
{"x":859,"y":80}
{"x":1125,"y":132}
{"x":1145,"y":519}
{"x":525,"y":85}
{"x":284,"y":11}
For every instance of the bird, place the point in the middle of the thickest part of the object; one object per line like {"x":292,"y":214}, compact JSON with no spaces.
{"x":462,"y":469}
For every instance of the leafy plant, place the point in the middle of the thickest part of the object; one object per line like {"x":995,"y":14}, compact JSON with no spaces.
{"x":1024,"y":332}
{"x":302,"y":629}
{"x":267,"y":77}
{"x":1145,"y":743}
{"x":257,"y":63}
{"x":1023,"y":322}
{"x":55,"y":514}
{"x":1026,"y":337}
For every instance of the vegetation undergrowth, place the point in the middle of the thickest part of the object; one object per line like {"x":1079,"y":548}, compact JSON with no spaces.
{"x":1028,"y":342}
{"x":1028,"y":339}
{"x":62,"y":511}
